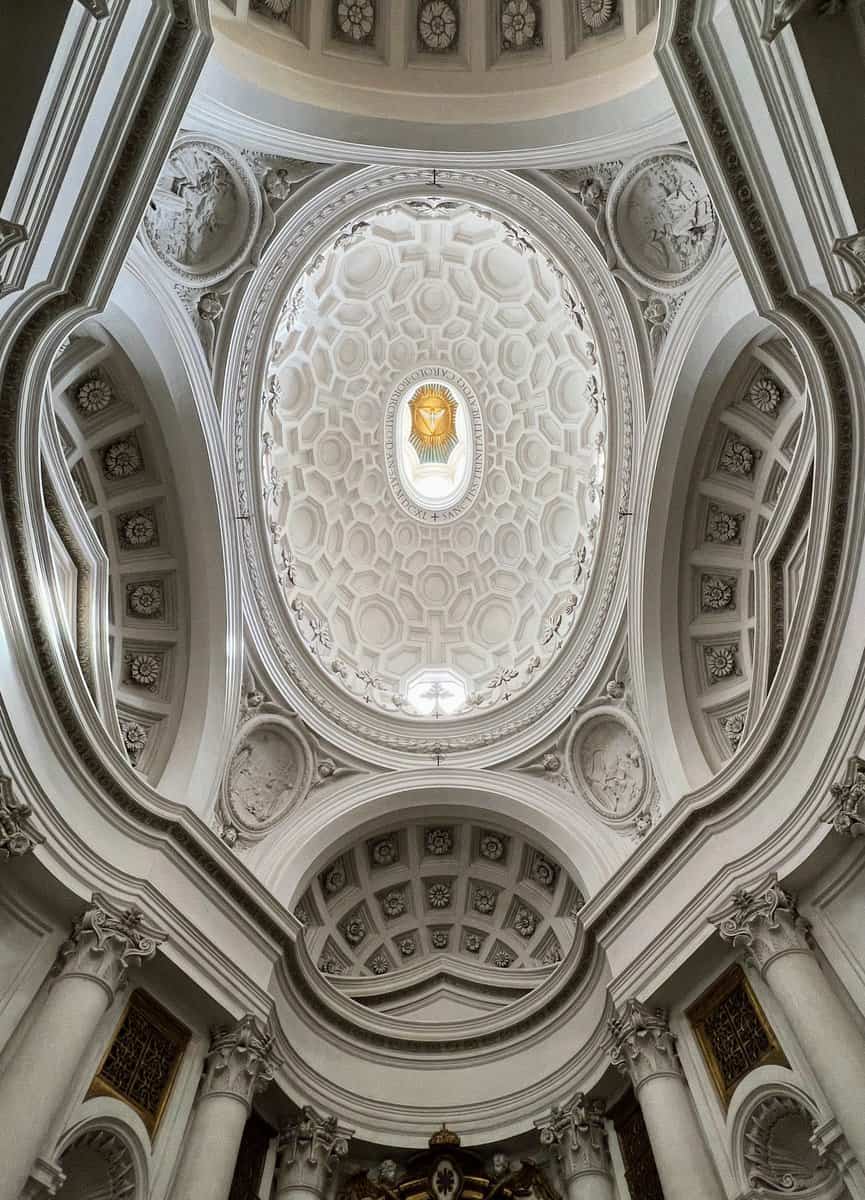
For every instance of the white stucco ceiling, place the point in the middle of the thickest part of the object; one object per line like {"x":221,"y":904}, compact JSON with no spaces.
{"x":380,"y":594}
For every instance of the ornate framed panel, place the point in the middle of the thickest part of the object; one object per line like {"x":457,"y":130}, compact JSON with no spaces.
{"x":641,"y":1173}
{"x":142,"y":1060}
{"x":734,"y":1035}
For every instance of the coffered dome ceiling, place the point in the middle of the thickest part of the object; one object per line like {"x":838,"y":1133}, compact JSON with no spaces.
{"x":452,"y":918}
{"x":419,"y":601}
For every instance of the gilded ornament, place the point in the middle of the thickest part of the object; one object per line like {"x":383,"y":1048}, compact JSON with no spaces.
{"x":433,"y":422}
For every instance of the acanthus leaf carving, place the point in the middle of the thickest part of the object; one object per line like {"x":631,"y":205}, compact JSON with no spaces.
{"x":17,"y":835}
{"x":241,"y":1061}
{"x":765,"y":921}
{"x":577,"y":1136}
{"x":642,"y":1044}
{"x":106,"y":940}
{"x":846,"y":814}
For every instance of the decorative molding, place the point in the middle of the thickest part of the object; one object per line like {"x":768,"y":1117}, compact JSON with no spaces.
{"x":777,"y":14}
{"x":11,"y":235}
{"x":241,"y":1061}
{"x":106,"y":940}
{"x":642,"y":1045}
{"x":17,"y":834}
{"x":765,"y":922}
{"x":846,"y":813}
{"x":852,"y":250}
{"x":97,"y":8}
{"x":777,"y":1147}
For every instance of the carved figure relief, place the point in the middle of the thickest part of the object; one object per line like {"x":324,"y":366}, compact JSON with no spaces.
{"x":269,"y":773}
{"x":204,"y":212}
{"x":662,"y":222}
{"x":609,"y":764}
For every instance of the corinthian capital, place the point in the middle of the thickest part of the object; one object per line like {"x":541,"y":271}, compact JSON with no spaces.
{"x":846,"y":814}
{"x":105,"y":942}
{"x":17,"y":835}
{"x":241,"y":1061}
{"x":641,"y":1043}
{"x":765,"y":921}
{"x":576,"y":1133}
{"x":314,"y":1140}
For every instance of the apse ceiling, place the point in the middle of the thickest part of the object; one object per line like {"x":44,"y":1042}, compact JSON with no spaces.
{"x":439,"y":888}
{"x":424,"y":578}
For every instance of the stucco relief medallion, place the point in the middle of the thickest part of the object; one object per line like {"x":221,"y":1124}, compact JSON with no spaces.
{"x":609,"y":766}
{"x":662,"y":224}
{"x":269,"y":772}
{"x":204,"y":214}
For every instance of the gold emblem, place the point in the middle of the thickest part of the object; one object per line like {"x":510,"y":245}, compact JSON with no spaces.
{"x":433,"y":423}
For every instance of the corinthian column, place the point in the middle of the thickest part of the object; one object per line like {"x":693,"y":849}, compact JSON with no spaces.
{"x":776,"y":941}
{"x":577,"y":1135}
{"x":311,"y":1148}
{"x":240,"y":1063}
{"x":91,"y":968}
{"x":644,"y":1049}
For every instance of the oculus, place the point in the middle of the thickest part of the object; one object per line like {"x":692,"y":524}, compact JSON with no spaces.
{"x":433,"y":439}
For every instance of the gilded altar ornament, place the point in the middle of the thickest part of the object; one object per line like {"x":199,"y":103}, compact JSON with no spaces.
{"x":433,"y":423}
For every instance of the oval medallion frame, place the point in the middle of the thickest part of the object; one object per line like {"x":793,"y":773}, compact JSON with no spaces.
{"x":280,"y":803}
{"x":245,"y":216}
{"x":613,"y":773}
{"x":445,"y":375}
{"x":661,"y":221}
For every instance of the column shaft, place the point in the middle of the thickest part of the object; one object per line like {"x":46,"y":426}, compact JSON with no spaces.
{"x":34,"y":1084}
{"x":684,"y":1165}
{"x":829,"y":1038}
{"x":210,"y":1149}
{"x":590,"y":1185}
